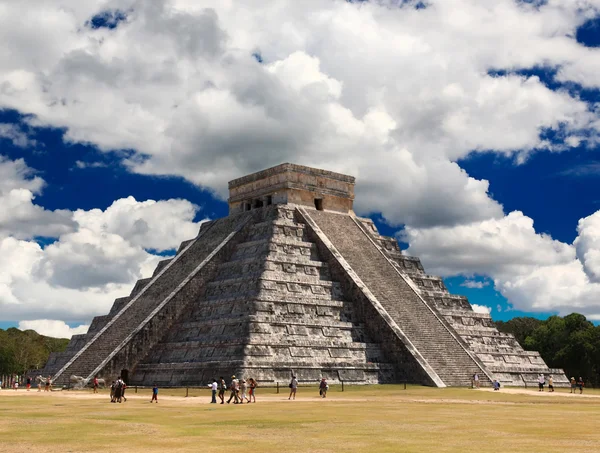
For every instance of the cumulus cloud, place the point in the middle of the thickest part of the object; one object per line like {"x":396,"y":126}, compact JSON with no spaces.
{"x":384,"y":91}
{"x":533,"y":271}
{"x":481,"y":309}
{"x":587,"y":245}
{"x":19,"y":216}
{"x":97,"y":255}
{"x":474,"y":284}
{"x":52,"y":328}
{"x":13,"y":133}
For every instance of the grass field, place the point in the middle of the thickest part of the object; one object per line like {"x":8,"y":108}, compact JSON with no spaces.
{"x":360,"y":419}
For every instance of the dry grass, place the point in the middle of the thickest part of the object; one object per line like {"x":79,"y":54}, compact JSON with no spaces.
{"x":374,"y":418}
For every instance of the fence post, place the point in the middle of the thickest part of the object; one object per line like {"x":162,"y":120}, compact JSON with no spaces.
{"x":404,"y":385}
{"x":187,"y":389}
{"x":278,"y":387}
{"x":342,"y":386}
{"x":136,"y":389}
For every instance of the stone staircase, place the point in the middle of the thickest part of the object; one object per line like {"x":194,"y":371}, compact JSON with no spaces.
{"x":271,"y":309}
{"x":500,"y":353}
{"x":137,"y":322}
{"x":434,"y":340}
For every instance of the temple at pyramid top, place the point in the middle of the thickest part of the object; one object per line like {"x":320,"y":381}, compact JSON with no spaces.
{"x":292,"y":184}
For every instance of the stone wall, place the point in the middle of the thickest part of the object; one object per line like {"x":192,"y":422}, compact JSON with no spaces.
{"x":292,"y":184}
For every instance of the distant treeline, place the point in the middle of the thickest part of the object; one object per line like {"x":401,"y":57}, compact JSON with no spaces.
{"x":26,"y":350}
{"x":571,"y":343}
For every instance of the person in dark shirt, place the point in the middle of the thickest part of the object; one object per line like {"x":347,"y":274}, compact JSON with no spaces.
{"x":154,"y":393}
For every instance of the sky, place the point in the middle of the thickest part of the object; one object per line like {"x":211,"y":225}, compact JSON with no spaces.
{"x":472,"y":128}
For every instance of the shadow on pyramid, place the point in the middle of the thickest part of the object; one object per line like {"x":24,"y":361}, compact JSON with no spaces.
{"x":292,"y":282}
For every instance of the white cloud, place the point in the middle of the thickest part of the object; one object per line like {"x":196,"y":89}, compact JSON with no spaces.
{"x":533,"y":271}
{"x":393,"y":95}
{"x":481,"y":309}
{"x":587,"y":245}
{"x":97,"y":255}
{"x":19,"y":216}
{"x":52,"y":328}
{"x":474,"y":284}
{"x":13,"y":133}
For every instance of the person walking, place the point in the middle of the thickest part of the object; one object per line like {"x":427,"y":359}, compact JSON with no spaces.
{"x":541,"y":382}
{"x":222,"y":389}
{"x":550,"y":384}
{"x":235,"y":389}
{"x":573,"y":384}
{"x":580,"y":385}
{"x":28,"y":384}
{"x":476,"y":380}
{"x":293,"y":387}
{"x":213,"y":388}
{"x":154,"y":393}
{"x":95,"y":384}
{"x":48,"y":384}
{"x":323,"y":387}
{"x":496,"y":385}
{"x":252,"y":391}
{"x":244,"y":389}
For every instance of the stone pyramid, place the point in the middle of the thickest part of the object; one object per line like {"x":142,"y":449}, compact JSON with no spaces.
{"x":293,"y":282}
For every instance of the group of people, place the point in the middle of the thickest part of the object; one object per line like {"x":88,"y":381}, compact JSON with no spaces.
{"x":242,"y":390}
{"x":117,"y":390}
{"x":239,"y":390}
{"x":579,"y":384}
{"x":28,"y":381}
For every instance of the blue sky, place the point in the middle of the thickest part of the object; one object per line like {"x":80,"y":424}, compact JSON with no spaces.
{"x":101,"y":125}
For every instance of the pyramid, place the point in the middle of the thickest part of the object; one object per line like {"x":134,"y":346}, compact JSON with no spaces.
{"x":293,"y":282}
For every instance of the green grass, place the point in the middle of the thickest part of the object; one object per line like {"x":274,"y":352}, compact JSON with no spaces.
{"x":361,"y":419}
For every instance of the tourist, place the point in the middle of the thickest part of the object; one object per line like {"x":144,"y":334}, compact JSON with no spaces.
{"x":323,"y":387}
{"x":112,"y":392}
{"x":154,"y":393}
{"x":550,"y":383}
{"x":222,"y":389}
{"x":48,"y":384}
{"x":476,"y":380}
{"x":541,"y":382}
{"x":293,"y":387}
{"x":580,"y":384}
{"x":244,"y":387}
{"x":16,"y":385}
{"x":28,"y":383}
{"x":573,"y":384}
{"x":213,"y":388}
{"x":95,"y":384}
{"x":123,"y":388}
{"x":235,"y":389}
{"x":118,"y":390}
{"x":252,"y":391}
{"x":0,"y":384}
{"x":496,"y":385}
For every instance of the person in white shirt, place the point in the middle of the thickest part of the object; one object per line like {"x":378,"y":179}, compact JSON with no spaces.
{"x":293,"y":387}
{"x":213,"y":388}
{"x":541,"y":382}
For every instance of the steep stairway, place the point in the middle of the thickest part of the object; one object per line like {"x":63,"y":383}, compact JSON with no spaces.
{"x":430,"y":335}
{"x":154,"y":305}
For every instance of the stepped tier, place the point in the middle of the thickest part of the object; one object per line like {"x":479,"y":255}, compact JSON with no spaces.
{"x":271,"y":310}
